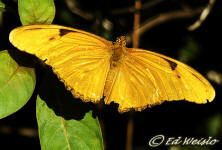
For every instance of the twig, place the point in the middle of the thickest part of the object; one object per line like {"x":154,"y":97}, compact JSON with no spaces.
{"x":132,"y":9}
{"x":179,"y":14}
{"x":136,"y":24}
{"x":129,"y":136}
{"x":203,"y":16}
{"x":164,"y":17}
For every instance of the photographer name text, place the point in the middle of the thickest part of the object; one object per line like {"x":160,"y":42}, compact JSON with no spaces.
{"x":161,"y":139}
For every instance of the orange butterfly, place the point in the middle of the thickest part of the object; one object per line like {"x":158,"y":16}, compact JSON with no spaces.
{"x":92,"y":67}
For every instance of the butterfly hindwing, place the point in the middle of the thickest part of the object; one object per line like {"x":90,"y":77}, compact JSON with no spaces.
{"x":80,"y":59}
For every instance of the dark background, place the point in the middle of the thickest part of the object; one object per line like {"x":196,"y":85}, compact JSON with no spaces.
{"x":200,"y":48}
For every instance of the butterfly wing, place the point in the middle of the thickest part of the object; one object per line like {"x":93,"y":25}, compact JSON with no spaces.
{"x":80,"y":59}
{"x":146,"y":78}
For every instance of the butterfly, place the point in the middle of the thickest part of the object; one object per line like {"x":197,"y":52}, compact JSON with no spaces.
{"x":92,"y":68}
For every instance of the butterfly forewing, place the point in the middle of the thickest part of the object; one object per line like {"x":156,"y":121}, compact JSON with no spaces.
{"x":80,"y":59}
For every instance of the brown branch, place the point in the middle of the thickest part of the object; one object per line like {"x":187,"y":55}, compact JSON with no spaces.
{"x":129,"y":136}
{"x":165,"y":17}
{"x":179,"y":14}
{"x":136,"y":24}
{"x":132,"y":9}
{"x":23,"y":131}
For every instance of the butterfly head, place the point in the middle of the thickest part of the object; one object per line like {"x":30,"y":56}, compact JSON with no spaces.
{"x":121,"y":42}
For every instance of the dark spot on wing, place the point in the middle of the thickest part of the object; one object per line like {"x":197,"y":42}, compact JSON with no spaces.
{"x":45,"y":60}
{"x":178,"y":76}
{"x":63,"y":32}
{"x":173,"y":65}
{"x":52,"y":38}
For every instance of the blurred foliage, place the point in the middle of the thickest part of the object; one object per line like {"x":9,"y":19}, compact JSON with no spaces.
{"x":213,"y":125}
{"x":189,"y":51}
{"x":2,"y":5}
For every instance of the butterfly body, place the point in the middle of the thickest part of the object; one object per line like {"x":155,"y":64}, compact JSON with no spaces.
{"x":92,"y":67}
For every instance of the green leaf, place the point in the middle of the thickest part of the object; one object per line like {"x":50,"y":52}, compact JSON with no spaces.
{"x":17,"y":84}
{"x":64,"y":122}
{"x":36,"y":11}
